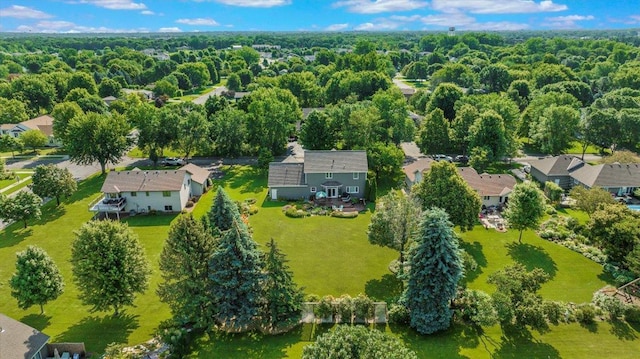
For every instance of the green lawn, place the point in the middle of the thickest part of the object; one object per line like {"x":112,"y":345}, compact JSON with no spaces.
{"x":327,"y":256}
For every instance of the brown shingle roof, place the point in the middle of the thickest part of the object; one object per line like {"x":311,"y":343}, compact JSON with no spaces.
{"x":335,"y":161}
{"x":609,"y":175}
{"x":36,"y":123}
{"x":421,"y":165}
{"x":286,"y":174}
{"x":198,"y":174}
{"x":19,"y":340}
{"x":488,"y":184}
{"x":134,"y":181}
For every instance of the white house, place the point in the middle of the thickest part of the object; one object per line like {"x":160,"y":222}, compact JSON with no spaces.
{"x":139,"y":191}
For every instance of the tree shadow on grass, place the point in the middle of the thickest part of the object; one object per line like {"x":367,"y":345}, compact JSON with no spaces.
{"x":86,"y":188}
{"x":249,"y":345}
{"x":475,"y":250}
{"x":14,"y":234}
{"x":383,"y":289}
{"x":268,"y":203}
{"x":532,"y":257}
{"x":98,"y":332}
{"x":444,"y":344}
{"x":516,"y":341}
{"x":591,"y":327}
{"x":246,"y":180}
{"x":148,"y":220}
{"x":623,"y":331}
{"x":37,"y":321}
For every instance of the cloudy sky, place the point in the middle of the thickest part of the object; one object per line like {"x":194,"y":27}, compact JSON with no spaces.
{"x":65,"y":16}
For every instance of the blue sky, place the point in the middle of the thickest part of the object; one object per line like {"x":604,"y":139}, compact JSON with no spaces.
{"x":68,"y":16}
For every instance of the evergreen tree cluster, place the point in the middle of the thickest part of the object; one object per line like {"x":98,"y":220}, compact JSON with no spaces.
{"x":216,"y":276}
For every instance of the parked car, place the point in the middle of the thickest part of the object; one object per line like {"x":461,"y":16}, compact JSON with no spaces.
{"x":462,"y":158}
{"x":172,"y":161}
{"x":442,"y":158}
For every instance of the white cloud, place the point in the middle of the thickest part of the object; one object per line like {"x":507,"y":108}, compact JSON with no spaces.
{"x":378,"y":6}
{"x":495,"y":26}
{"x":336,"y":27}
{"x":169,"y":29}
{"x":23,"y":12}
{"x":70,"y":27}
{"x":147,"y":12}
{"x":199,"y":21}
{"x":114,"y":4}
{"x":378,"y":25}
{"x":566,"y":22}
{"x":497,"y":6}
{"x":255,"y":3}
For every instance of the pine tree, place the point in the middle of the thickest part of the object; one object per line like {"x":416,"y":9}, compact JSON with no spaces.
{"x":37,"y":279}
{"x":435,"y":269}
{"x":283,"y":298}
{"x":222,"y":213}
{"x":109,"y":265}
{"x":184,"y":263}
{"x":236,"y":278}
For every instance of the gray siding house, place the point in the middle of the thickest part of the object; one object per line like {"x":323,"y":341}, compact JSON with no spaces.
{"x":333,"y":172}
{"x":619,"y":179}
{"x":556,"y":169}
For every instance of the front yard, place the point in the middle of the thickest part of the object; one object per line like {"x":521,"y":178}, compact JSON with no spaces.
{"x":328,"y":256}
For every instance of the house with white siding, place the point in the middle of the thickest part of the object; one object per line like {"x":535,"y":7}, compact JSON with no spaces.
{"x":139,"y":191}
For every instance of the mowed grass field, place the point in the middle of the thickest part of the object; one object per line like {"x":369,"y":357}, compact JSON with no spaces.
{"x":328,"y":256}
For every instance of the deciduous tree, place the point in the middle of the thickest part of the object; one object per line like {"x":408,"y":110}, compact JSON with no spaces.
{"x":616,"y":229}
{"x":23,"y":206}
{"x":526,"y":207}
{"x":101,"y":138}
{"x":435,"y":269}
{"x":33,"y":139}
{"x":316,"y":133}
{"x":109,"y":265}
{"x":443,"y":187}
{"x":434,"y":133}
{"x":36,"y":280}
{"x":590,"y":200}
{"x":54,"y":182}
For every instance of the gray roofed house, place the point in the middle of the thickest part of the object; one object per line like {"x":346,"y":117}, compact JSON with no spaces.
{"x":333,"y":172}
{"x":18,"y":340}
{"x":199,"y":178}
{"x":556,"y":169}
{"x":616,"y":178}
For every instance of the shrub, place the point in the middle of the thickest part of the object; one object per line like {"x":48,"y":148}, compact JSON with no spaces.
{"x":477,"y":307}
{"x":339,"y":214}
{"x":251,"y":200}
{"x":632,"y":314}
{"x":189,"y":204}
{"x":324,"y":309}
{"x":550,"y":210}
{"x":345,"y":308}
{"x":470,"y":264}
{"x":609,"y":304}
{"x":293,"y":212}
{"x":585,"y":314}
{"x":312,"y":298}
{"x":398,"y":314}
{"x":363,"y":307}
{"x":553,"y":311}
{"x":253,"y":209}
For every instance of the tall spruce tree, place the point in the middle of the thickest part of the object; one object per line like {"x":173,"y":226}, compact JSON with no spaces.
{"x":283,"y":297}
{"x":37,"y":279}
{"x":184,"y":263}
{"x":236,"y":278}
{"x":435,"y":269}
{"x":222,"y":213}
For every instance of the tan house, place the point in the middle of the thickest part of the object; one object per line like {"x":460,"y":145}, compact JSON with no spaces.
{"x":413,"y":172}
{"x":42,"y":123}
{"x":494,"y":189}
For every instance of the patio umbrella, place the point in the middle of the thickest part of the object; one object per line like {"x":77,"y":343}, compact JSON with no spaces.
{"x":321,"y":194}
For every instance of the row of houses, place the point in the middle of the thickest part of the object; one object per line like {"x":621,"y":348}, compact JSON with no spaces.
{"x":569,"y":171}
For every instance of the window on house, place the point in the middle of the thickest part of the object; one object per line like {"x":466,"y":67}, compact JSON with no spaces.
{"x":486,"y":198}
{"x":328,"y":175}
{"x":134,"y":194}
{"x":313,"y":189}
{"x":147,"y":193}
{"x":356,"y":175}
{"x":166,"y":193}
{"x":353,"y":189}
{"x":168,"y":208}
